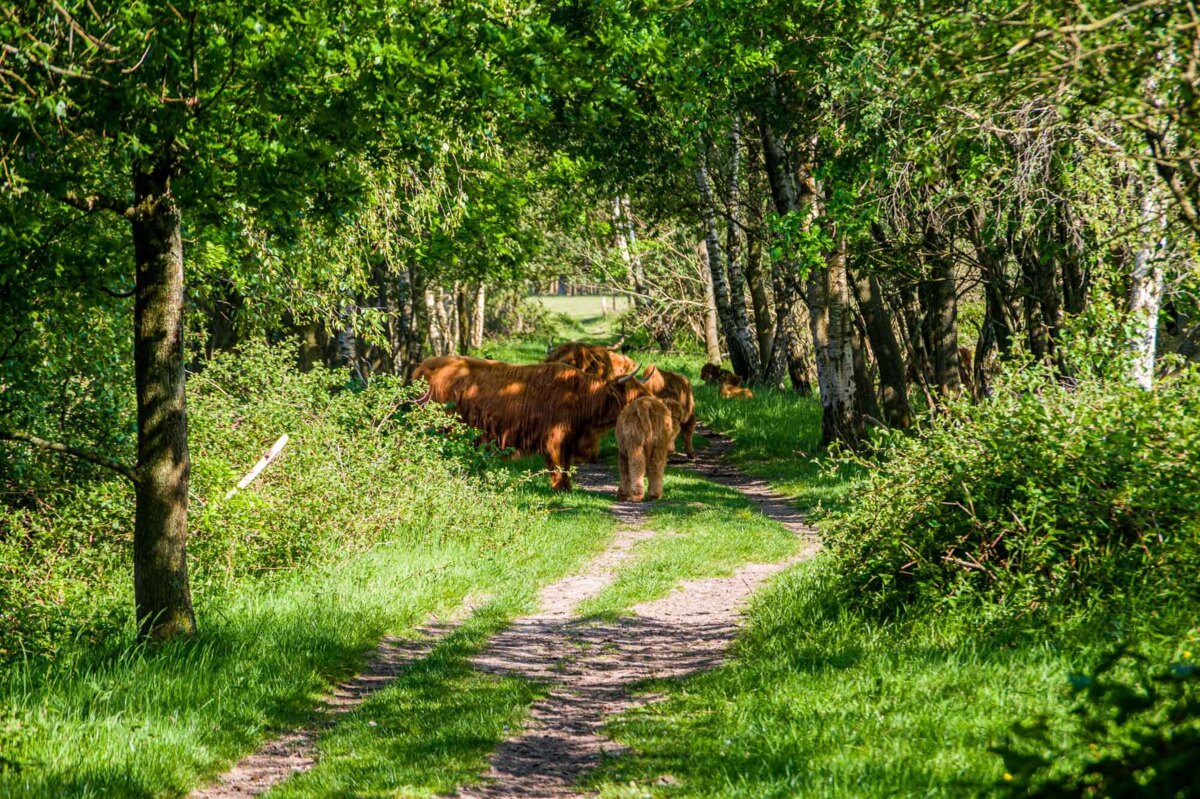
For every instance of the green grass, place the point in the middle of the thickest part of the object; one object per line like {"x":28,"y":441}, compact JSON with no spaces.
{"x":704,"y":530}
{"x":582,"y":315}
{"x":428,"y":732}
{"x":130,"y":721}
{"x":820,"y":701}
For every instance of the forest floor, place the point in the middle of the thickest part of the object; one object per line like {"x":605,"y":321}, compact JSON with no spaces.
{"x":596,"y":634}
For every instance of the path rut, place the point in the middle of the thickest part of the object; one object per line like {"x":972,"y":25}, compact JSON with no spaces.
{"x":591,"y":666}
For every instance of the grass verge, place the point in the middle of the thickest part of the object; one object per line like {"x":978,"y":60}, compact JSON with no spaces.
{"x":822,"y":701}
{"x":134,"y":721}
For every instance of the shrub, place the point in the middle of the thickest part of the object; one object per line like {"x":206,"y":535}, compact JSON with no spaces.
{"x":360,"y":468}
{"x":1045,"y":494}
{"x":1134,"y":730}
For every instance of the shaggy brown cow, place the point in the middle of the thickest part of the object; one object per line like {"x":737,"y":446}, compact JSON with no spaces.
{"x":646,"y":431}
{"x":592,"y":358}
{"x":729,"y":392}
{"x":672,"y":385}
{"x":549,"y":408}
{"x":714,"y":375}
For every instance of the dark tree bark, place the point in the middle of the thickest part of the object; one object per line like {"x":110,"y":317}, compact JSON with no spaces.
{"x":888,"y":354}
{"x":942,"y":324}
{"x":760,"y":299}
{"x":464,"y":313}
{"x":161,"y":592}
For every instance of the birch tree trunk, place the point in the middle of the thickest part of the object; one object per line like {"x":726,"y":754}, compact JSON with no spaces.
{"x":162,"y":594}
{"x":1146,"y":289}
{"x":712,"y":338}
{"x":733,"y":258}
{"x":626,"y":234}
{"x":831,"y":318}
{"x":480,"y":313}
{"x":828,"y":296}
{"x":742,"y":354}
{"x":801,"y":368}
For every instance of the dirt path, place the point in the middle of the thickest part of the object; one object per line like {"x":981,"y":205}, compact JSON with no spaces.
{"x":592,"y":666}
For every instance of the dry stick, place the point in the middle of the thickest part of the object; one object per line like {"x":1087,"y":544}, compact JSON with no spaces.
{"x":263,"y":462}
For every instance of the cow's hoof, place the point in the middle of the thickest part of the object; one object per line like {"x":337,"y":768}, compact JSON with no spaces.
{"x":653,"y":497}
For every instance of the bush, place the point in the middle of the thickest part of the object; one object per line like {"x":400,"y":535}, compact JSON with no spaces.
{"x":1045,"y":494}
{"x":1134,"y":730}
{"x":360,"y":468}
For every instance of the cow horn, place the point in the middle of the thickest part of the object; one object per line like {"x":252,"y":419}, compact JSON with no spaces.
{"x":617,"y":346}
{"x":632,"y":373}
{"x":651,"y":369}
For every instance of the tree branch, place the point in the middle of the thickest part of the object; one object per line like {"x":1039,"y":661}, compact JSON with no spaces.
{"x":98,"y":202}
{"x":120,"y":468}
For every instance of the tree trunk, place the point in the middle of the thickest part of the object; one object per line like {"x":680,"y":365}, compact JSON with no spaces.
{"x":733,"y":257}
{"x":831,"y":318}
{"x":742,"y":354}
{"x":478,"y":317}
{"x":161,"y":593}
{"x":798,"y":356}
{"x":764,"y":326}
{"x":712,"y":338}
{"x":828,"y":295}
{"x":941,"y":315}
{"x":626,"y":235}
{"x":1145,"y":290}
{"x":418,"y":320}
{"x":464,"y":313}
{"x":888,"y":355}
{"x":756,"y":277}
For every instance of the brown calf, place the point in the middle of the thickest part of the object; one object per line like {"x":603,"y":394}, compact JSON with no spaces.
{"x":646,"y":431}
{"x":674,"y":386}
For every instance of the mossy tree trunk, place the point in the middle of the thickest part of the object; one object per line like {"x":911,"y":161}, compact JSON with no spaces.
{"x":161,"y":592}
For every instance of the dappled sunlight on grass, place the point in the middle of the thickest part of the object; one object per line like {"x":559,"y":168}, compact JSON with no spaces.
{"x":428,"y":732}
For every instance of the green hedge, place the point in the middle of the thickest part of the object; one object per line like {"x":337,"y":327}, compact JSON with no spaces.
{"x":1042,"y":496}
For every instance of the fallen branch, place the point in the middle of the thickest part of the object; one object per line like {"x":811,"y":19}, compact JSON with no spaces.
{"x":263,"y":462}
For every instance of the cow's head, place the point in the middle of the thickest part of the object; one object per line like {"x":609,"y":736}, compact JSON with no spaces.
{"x":629,"y":387}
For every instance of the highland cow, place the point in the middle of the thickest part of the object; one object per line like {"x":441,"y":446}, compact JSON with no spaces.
{"x":594,"y":359}
{"x":646,"y":431}
{"x":674,"y":386}
{"x":548,"y":408}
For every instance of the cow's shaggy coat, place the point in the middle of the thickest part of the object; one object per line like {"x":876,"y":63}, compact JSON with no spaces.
{"x":548,"y":408}
{"x":674,"y":386}
{"x":646,"y":431}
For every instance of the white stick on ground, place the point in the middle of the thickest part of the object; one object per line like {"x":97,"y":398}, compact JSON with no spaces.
{"x":263,"y":462}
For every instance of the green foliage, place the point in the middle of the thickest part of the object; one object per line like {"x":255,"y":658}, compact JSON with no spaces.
{"x":360,"y":468}
{"x":1134,"y":731}
{"x":1046,"y":494}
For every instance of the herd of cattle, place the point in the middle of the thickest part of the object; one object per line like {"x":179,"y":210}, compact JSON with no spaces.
{"x":563,"y":406}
